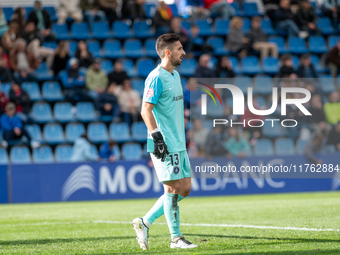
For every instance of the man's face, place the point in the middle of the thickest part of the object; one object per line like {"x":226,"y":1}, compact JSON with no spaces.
{"x":37,"y":5}
{"x":21,"y":46}
{"x":118,"y":67}
{"x":306,"y":61}
{"x":334,"y":98}
{"x":285,"y":4}
{"x":255,"y":24}
{"x":96,"y":66}
{"x":10,"y":112}
{"x":30,"y":27}
{"x":177,"y":54}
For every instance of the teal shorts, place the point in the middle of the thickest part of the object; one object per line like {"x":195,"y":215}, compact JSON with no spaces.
{"x":176,"y":166}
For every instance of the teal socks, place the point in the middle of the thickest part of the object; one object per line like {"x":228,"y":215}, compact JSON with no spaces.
{"x":157,"y":210}
{"x":171,"y":212}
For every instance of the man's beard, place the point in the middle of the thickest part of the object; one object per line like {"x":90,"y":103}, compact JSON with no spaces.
{"x":175,"y":62}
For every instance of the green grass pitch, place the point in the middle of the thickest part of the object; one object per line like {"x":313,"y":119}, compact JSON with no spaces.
{"x":99,"y":228}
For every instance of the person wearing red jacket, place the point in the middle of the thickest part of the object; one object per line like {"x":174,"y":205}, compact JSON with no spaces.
{"x":220,"y":8}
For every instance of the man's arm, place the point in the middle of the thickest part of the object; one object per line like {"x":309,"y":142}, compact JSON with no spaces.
{"x":148,"y":117}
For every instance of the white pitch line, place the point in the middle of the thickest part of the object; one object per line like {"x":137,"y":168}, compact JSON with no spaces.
{"x":183,"y":224}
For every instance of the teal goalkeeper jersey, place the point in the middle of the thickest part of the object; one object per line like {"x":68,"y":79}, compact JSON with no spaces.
{"x":164,"y":90}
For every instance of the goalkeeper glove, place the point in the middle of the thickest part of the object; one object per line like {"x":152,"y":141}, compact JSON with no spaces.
{"x":161,"y":150}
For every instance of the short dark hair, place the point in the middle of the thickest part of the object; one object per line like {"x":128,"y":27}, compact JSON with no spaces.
{"x":166,"y":41}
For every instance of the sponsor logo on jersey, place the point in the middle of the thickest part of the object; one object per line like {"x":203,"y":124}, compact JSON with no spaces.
{"x":149,"y":92}
{"x":177,"y":98}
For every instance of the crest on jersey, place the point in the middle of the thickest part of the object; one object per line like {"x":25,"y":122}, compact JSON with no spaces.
{"x":149,"y":92}
{"x":176,"y":170}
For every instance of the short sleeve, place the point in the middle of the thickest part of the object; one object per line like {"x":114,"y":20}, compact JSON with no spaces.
{"x":153,"y":90}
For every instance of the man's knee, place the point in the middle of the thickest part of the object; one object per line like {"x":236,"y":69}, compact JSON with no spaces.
{"x":173,"y":187}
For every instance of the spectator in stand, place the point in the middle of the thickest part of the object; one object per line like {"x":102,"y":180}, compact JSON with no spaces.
{"x":220,"y":8}
{"x":82,"y":150}
{"x":21,"y":99}
{"x":332,"y":10}
{"x":109,"y":7}
{"x":12,"y":127}
{"x":198,"y":44}
{"x":196,"y":9}
{"x":284,"y":20}
{"x":3,"y":22}
{"x":333,"y":60}
{"x":313,"y":146}
{"x":255,"y":131}
{"x":224,"y":69}
{"x":237,"y":145}
{"x":133,"y":9}
{"x":203,"y":70}
{"x":317,"y":111}
{"x":214,"y":143}
{"x":162,"y":18}
{"x":286,"y":69}
{"x":92,"y":12}
{"x":95,"y":80}
{"x":118,"y":75}
{"x":69,"y":9}
{"x":129,"y":102}
{"x":61,"y":57}
{"x":306,"y":18}
{"x":42,"y":21}
{"x":107,"y":102}
{"x":334,"y":136}
{"x":19,"y":18}
{"x":259,"y":40}
{"x":8,"y":39}
{"x":237,"y":43}
{"x":200,"y":134}
{"x":5,"y":73}
{"x":332,"y":108}
{"x":108,"y":151}
{"x":83,"y":55}
{"x":23,"y":62}
{"x":34,"y":44}
{"x":3,"y":101}
{"x":73,"y":72}
{"x":306,"y":68}
{"x":176,"y":28}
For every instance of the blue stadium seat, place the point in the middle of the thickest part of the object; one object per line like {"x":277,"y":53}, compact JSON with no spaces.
{"x":150,"y":48}
{"x":112,"y":49}
{"x":250,"y":9}
{"x":273,"y":132}
{"x":297,"y":45}
{"x":188,"y":67}
{"x":333,"y":40}
{"x":204,"y":27}
{"x":42,"y":154}
{"x":32,"y":89}
{"x":138,"y":84}
{"x":51,"y":91}
{"x":61,"y":30}
{"x":261,"y":101}
{"x":120,"y":132}
{"x":97,"y":132}
{"x":52,"y":12}
{"x":73,"y":131}
{"x":270,"y":65}
{"x":300,"y":146}
{"x":72,"y":47}
{"x":145,"y":66}
{"x":3,"y":157}
{"x":28,"y":9}
{"x":42,"y":113}
{"x":132,"y":151}
{"x":243,"y":82}
{"x":235,"y":64}
{"x":106,"y":66}
{"x":8,"y":11}
{"x":85,"y":112}
{"x":325,"y":25}
{"x":71,"y":84}
{"x":53,"y":133}
{"x":80,"y":31}
{"x":316,"y":62}
{"x":246,"y":25}
{"x":327,"y":83}
{"x":35,"y":132}
{"x":63,"y":153}
{"x":139,"y":132}
{"x":20,"y":155}
{"x":296,"y":61}
{"x":186,"y":25}
{"x":43,"y":72}
{"x":116,"y":151}
{"x":250,"y":65}
{"x":63,"y":112}
{"x":52,"y":45}
{"x":134,"y":48}
{"x":94,"y":48}
{"x":6,"y":87}
{"x":281,"y":44}
{"x":317,"y":44}
{"x":284,"y":146}
{"x":236,"y":6}
{"x":122,"y":29}
{"x":129,"y":67}
{"x":150,"y":9}
{"x":216,"y":42}
{"x":221,"y":26}
{"x":263,"y":147}
{"x":142,"y":29}
{"x":174,"y":9}
{"x":263,"y":85}
{"x":101,"y":30}
{"x":267,"y":26}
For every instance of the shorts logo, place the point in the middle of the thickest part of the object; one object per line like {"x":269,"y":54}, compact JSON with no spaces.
{"x":149,"y":92}
{"x":176,"y":170}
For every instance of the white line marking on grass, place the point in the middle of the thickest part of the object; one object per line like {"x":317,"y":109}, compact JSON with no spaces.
{"x":183,"y":224}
